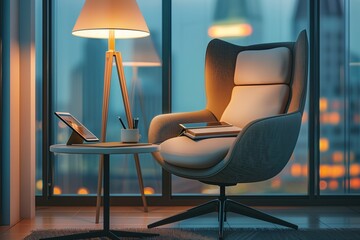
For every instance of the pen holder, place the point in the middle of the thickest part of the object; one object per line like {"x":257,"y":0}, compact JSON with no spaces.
{"x":130,"y":135}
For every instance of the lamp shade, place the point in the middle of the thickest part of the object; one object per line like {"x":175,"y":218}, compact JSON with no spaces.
{"x":100,"y":17}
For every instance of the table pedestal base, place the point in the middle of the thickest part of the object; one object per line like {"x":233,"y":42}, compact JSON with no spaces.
{"x":112,"y":234}
{"x":106,"y":232}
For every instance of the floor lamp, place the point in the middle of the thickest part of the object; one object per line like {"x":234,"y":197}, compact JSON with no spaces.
{"x":112,"y":19}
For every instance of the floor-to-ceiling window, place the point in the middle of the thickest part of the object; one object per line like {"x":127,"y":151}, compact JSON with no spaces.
{"x":76,"y":80}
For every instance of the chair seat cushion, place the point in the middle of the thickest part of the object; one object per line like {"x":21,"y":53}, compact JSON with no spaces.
{"x":185,"y":152}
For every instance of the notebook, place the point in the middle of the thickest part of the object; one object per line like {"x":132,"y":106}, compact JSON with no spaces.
{"x":206,"y":130}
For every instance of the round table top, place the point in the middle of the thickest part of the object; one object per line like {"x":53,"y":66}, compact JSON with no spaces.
{"x":88,"y":149}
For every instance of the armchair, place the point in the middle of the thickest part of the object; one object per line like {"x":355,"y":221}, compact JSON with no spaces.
{"x":260,"y":88}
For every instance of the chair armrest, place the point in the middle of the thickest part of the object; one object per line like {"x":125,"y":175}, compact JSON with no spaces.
{"x":266,"y":145}
{"x":166,"y":126}
{"x":262,"y":149}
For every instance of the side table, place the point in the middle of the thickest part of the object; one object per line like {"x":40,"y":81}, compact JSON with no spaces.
{"x":106,"y":151}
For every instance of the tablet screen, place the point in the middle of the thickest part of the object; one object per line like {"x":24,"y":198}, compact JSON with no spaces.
{"x":77,"y":126}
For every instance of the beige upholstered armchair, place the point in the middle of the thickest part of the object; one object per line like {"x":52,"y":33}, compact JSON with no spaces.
{"x":260,"y":88}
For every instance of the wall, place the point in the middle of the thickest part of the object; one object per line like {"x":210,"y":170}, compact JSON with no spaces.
{"x":27,"y":108}
{"x":11,"y":173}
{"x":18,"y":112}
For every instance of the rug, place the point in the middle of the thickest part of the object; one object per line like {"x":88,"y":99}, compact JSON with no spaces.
{"x":229,"y":234}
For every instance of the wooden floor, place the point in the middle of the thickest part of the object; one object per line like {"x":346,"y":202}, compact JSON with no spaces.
{"x":134,"y":217}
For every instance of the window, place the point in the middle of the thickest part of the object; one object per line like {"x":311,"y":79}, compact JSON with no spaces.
{"x":339,"y":137}
{"x":76,"y":82}
{"x":77,"y":73}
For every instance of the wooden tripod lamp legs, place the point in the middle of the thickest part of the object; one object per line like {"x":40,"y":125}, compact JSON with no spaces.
{"x":110,"y":55}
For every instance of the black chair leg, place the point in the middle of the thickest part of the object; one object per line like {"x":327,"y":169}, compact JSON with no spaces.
{"x":222,"y":214}
{"x":193,"y":212}
{"x":239,"y":208}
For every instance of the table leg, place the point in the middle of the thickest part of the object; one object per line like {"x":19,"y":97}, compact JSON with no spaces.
{"x":141,"y":183}
{"x":99,"y":188}
{"x":106,"y":213}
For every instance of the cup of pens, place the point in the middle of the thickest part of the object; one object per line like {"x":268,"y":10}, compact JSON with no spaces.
{"x":129,"y":135}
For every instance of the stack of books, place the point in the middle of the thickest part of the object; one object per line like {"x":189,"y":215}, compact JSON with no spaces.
{"x":209,"y":130}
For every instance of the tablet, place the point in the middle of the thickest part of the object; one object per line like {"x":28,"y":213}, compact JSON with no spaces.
{"x":204,"y":125}
{"x":77,"y":126}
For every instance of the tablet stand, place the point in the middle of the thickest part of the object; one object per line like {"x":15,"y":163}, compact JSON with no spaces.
{"x":75,"y":138}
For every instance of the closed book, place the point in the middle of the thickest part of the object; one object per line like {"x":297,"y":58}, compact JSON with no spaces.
{"x":199,"y":133}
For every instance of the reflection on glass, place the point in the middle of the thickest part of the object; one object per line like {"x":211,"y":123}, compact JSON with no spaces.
{"x":137,"y":54}
{"x":231,"y":20}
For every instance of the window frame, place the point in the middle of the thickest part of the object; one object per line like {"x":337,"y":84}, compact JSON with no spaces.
{"x":1,"y":107}
{"x":313,"y":196}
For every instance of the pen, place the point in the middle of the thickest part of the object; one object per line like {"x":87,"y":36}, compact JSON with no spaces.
{"x":136,"y":122}
{"x":122,"y":123}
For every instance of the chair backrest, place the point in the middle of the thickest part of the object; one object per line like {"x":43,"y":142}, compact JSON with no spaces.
{"x":244,"y":83}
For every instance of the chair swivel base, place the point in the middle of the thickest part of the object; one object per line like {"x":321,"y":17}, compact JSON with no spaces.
{"x":222,"y":205}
